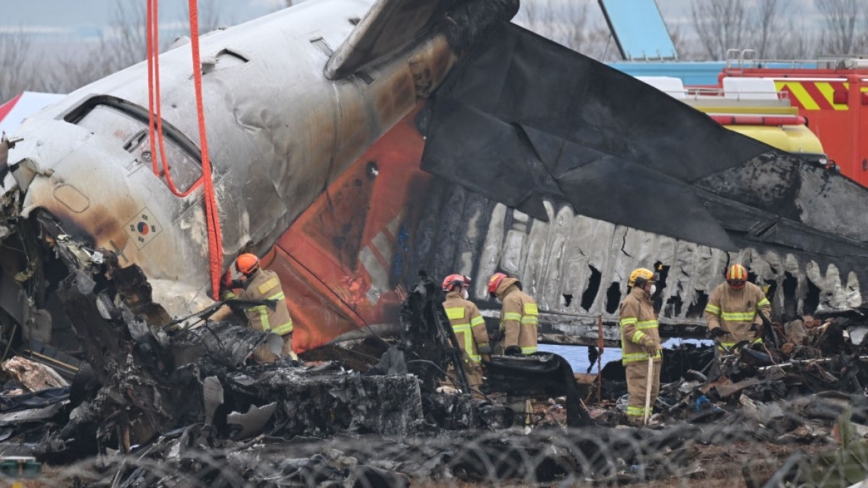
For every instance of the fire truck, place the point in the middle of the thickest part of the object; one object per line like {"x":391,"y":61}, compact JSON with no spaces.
{"x":752,"y":107}
{"x":830,"y":94}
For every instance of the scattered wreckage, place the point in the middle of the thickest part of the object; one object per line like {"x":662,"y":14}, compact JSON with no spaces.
{"x":180,"y":408}
{"x":134,"y":399}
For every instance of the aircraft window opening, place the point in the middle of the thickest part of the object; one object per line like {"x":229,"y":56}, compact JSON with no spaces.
{"x":613,"y":297}
{"x":126,"y":123}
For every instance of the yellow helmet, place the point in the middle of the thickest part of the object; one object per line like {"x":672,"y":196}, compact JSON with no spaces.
{"x":643,"y":275}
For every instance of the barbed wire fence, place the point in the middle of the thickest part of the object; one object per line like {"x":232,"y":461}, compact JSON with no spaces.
{"x":736,"y":450}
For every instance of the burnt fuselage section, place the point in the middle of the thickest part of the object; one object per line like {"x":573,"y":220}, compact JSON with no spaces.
{"x":86,"y":163}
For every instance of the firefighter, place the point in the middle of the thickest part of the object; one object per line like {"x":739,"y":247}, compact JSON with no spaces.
{"x":640,"y":340}
{"x":469,"y":328}
{"x":519,"y":316}
{"x":261,"y":284}
{"x":733,"y":311}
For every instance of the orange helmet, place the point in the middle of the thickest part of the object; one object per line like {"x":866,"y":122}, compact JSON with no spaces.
{"x":494,"y":283}
{"x":736,"y":275}
{"x":246,"y":264}
{"x":454,"y":280}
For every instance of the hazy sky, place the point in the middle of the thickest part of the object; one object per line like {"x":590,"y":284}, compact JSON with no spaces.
{"x":83,"y":17}
{"x":78,"y":19}
{"x":86,"y":17}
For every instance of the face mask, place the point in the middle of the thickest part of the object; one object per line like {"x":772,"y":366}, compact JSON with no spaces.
{"x":653,"y":289}
{"x":465,"y":294}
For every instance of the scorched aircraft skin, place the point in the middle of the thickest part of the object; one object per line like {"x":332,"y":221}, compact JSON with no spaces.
{"x":354,"y":143}
{"x":281,"y":133}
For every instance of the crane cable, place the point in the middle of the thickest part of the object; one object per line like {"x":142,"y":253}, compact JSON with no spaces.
{"x":155,"y":125}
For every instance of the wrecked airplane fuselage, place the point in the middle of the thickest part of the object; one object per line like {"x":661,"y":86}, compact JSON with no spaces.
{"x":285,"y":132}
{"x":358,"y":143}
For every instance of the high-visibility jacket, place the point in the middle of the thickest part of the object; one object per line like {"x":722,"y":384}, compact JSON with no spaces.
{"x":265,"y":285}
{"x":639,"y":328}
{"x":519,"y":317}
{"x":735,"y":311}
{"x":467,"y":323}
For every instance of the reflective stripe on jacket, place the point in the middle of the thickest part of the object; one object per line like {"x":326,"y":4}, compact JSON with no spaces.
{"x":735,"y":311}
{"x":265,"y":284}
{"x":519,"y":317}
{"x":467,"y":323}
{"x":638,"y":322}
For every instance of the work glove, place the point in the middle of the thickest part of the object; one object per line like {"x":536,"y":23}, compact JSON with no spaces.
{"x":484,"y":349}
{"x":646,"y":342}
{"x":486,"y":358}
{"x":716,"y":332}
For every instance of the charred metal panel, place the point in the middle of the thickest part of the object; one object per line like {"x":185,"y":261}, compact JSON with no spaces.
{"x":798,"y":191}
{"x":387,"y":27}
{"x":509,"y":127}
{"x":324,"y":402}
{"x":541,"y":375}
{"x":344,"y":259}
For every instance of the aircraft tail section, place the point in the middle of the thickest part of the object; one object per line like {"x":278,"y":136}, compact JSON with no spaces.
{"x":393,"y":25}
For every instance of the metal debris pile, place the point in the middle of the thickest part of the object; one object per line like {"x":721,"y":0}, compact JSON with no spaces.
{"x":800,"y":360}
{"x":180,"y":407}
{"x":169,"y":390}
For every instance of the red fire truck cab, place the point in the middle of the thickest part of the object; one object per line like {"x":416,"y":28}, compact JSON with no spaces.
{"x":832,"y":95}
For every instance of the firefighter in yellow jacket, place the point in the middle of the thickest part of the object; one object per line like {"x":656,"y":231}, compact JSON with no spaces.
{"x":640,"y":340}
{"x":733,"y":311}
{"x":469,"y":327}
{"x":519,"y":316}
{"x":262,"y":284}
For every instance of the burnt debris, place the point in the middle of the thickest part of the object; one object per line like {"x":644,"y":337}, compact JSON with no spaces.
{"x":140,"y":383}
